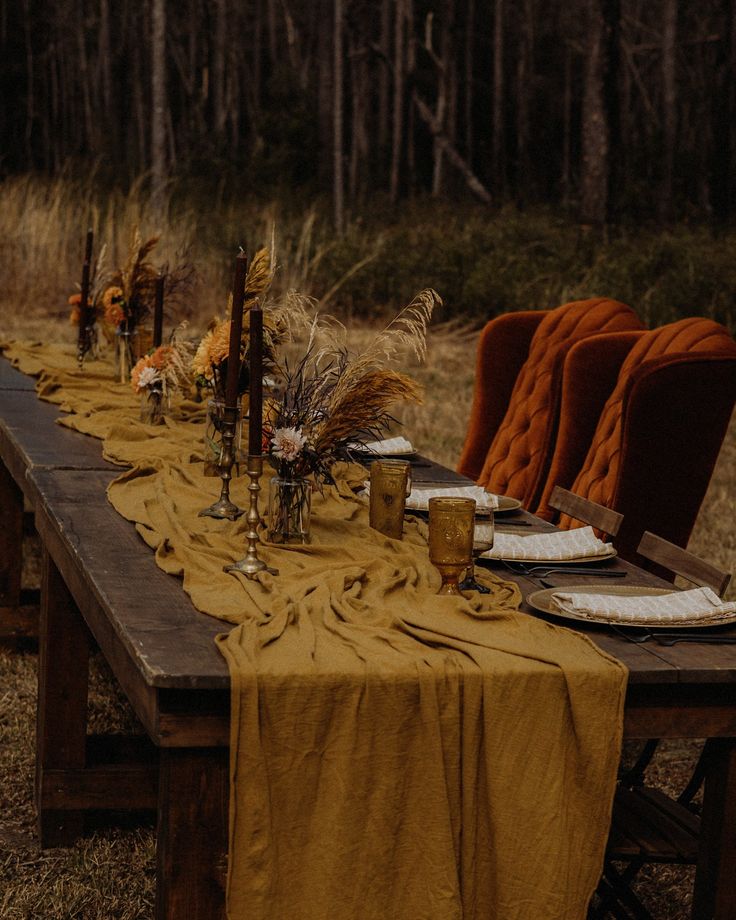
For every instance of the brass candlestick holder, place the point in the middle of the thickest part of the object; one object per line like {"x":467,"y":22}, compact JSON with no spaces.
{"x":251,"y":565}
{"x":223,"y":507}
{"x":83,"y":345}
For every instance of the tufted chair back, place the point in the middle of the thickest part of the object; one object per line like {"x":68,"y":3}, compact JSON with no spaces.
{"x":660,"y":431}
{"x":503,"y":347}
{"x":518,"y":457}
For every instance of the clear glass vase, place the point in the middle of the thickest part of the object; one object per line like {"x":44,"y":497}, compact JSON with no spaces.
{"x":125,"y":351}
{"x":289,"y":510}
{"x":152,"y":407}
{"x":213,"y":437}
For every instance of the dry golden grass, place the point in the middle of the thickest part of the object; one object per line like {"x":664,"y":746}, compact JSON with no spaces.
{"x":110,"y":875}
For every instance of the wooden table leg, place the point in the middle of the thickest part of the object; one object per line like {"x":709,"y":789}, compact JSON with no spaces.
{"x":61,"y":727}
{"x":191,"y":851}
{"x":11,"y":539}
{"x":715,"y":882}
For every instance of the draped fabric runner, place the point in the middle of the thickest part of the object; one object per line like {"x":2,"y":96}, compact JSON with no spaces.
{"x":395,"y":755}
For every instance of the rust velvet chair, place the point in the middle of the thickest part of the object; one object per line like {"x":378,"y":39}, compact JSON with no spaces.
{"x":656,"y":442}
{"x":513,"y":423}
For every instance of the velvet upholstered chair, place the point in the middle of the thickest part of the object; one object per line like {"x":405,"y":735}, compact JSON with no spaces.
{"x":655,"y":444}
{"x":516,"y":402}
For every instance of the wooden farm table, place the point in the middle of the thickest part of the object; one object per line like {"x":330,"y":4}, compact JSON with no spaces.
{"x":101,"y":583}
{"x":29,"y":439}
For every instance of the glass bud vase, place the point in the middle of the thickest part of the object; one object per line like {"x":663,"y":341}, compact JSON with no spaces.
{"x":125,"y":343}
{"x":289,"y":509}
{"x":152,"y":407}
{"x":213,"y":437}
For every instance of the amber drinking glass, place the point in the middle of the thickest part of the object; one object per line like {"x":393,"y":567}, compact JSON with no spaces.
{"x":390,"y":485}
{"x":451,"y":539}
{"x":483,"y":532}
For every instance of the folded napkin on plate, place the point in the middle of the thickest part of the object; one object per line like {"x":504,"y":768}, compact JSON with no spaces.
{"x":389,"y":446}
{"x":578,"y":543}
{"x":678,"y":607}
{"x":419,"y":498}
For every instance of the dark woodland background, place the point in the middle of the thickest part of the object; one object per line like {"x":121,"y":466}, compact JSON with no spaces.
{"x":483,"y":128}
{"x":627,"y":105}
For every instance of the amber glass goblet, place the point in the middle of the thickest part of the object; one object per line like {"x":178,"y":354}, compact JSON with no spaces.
{"x":390,"y":485}
{"x":451,"y":539}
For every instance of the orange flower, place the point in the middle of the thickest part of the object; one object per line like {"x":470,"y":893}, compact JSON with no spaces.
{"x":75,"y":315}
{"x":75,"y":300}
{"x":112,"y":301}
{"x":161,"y":356}
{"x":212,"y":350}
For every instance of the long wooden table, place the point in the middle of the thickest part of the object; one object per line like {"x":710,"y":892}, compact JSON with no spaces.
{"x":100,"y":583}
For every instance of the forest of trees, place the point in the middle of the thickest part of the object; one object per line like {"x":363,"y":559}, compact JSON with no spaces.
{"x":612,"y":107}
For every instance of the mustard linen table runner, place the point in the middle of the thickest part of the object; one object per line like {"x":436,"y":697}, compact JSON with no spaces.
{"x":395,"y":755}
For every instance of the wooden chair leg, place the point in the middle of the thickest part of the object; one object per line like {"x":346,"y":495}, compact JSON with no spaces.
{"x":191,"y":850}
{"x":715,"y":882}
{"x":61,"y":727}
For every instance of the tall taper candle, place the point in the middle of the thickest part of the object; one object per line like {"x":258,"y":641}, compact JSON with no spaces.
{"x":236,"y":332}
{"x":158,"y":311}
{"x":84,"y":311}
{"x":255,"y":361}
{"x":88,"y":246}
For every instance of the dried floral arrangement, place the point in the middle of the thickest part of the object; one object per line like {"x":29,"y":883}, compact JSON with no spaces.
{"x":129,"y":297}
{"x":279,"y":321}
{"x":164,"y":370}
{"x":334,"y":402}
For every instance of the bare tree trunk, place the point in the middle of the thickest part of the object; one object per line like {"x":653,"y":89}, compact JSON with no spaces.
{"x":723,"y":181}
{"x":398,"y":118}
{"x":523,"y":94}
{"x":218,"y":69}
{"x":594,"y":174}
{"x":272,"y":39}
{"x":383,"y":76}
{"x":30,"y":84}
{"x":88,"y":132}
{"x":338,"y":181}
{"x":669,"y":99}
{"x":497,"y":143}
{"x":158,"y":108}
{"x":104,"y":59}
{"x":566,"y":171}
{"x":473,"y":182}
{"x":325,"y":96}
{"x":469,"y":94}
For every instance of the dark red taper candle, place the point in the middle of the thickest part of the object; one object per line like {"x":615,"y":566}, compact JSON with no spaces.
{"x":158,"y":312}
{"x":255,"y":363}
{"x":236,"y":332}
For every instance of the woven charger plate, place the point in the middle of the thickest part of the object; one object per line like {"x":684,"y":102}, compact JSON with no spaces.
{"x":505,"y":505}
{"x":542,"y":601}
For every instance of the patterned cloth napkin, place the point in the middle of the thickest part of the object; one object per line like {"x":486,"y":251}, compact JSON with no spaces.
{"x":484,"y":501}
{"x":389,"y":446}
{"x":675,"y":608}
{"x":559,"y":546}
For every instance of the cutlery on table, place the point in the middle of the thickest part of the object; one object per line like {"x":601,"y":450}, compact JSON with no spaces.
{"x":670,"y":638}
{"x":549,"y":569}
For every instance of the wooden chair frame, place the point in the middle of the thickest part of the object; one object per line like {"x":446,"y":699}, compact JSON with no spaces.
{"x":671,"y":825}
{"x":604,"y":519}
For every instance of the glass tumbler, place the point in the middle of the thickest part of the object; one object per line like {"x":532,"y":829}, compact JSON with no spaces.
{"x":390,"y":485}
{"x":451,"y":523}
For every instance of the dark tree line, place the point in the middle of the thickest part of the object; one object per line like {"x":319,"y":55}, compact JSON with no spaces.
{"x":615,"y":106}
